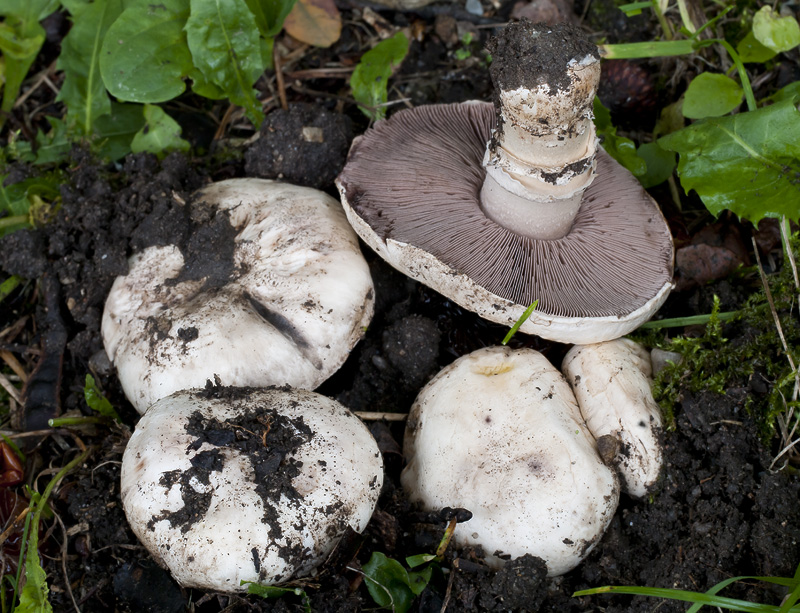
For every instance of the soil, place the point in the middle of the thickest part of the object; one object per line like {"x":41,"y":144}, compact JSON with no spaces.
{"x":719,"y":512}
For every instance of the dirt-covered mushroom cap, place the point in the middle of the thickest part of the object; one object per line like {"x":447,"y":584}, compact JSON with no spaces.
{"x":281,"y":299}
{"x":224,"y":485}
{"x":499,"y":433}
{"x":497,"y":216}
{"x":611,"y":382}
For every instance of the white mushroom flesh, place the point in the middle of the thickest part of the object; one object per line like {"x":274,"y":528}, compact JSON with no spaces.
{"x":225,"y":485}
{"x":499,"y":433}
{"x":300,"y":299}
{"x":611,"y":382}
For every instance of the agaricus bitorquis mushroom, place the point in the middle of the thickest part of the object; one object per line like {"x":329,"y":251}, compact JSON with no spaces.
{"x":282,"y":300}
{"x":498,"y":432}
{"x":497,"y":208}
{"x":224,"y":485}
{"x":611,"y":382}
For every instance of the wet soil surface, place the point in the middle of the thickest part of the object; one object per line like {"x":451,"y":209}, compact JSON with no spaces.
{"x":720,"y":512}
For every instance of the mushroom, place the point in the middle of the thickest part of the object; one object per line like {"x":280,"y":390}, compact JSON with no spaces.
{"x":498,"y":432}
{"x":224,"y":485}
{"x":611,"y":382}
{"x":282,"y":300}
{"x":498,"y":208}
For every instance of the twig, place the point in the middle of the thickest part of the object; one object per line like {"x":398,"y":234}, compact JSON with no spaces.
{"x":13,"y":364}
{"x":9,"y":387}
{"x":7,"y":532}
{"x":64,"y":562}
{"x":276,"y":60}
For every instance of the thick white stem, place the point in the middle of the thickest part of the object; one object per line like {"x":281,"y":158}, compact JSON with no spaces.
{"x":541,"y":158}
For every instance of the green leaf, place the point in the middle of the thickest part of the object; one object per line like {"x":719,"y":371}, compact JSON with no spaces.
{"x":20,"y":44}
{"x":145,"y":57}
{"x":270,"y":14}
{"x":33,"y":598}
{"x":748,"y":163}
{"x":160,"y":134}
{"x":114,"y":132}
{"x":790,"y":92}
{"x":711,"y":95}
{"x":28,"y":11}
{"x":388,"y":583}
{"x":660,"y":164}
{"x":618,"y":147}
{"x":419,"y":559}
{"x":96,"y":401}
{"x":83,"y":90}
{"x":225,"y":47}
{"x":750,"y":50}
{"x":775,"y":32}
{"x":54,"y":146}
{"x":419,"y":580}
{"x":370,"y":78}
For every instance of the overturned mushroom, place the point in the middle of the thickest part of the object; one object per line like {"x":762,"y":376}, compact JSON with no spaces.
{"x":281,"y":299}
{"x":225,"y":485}
{"x":611,"y":382}
{"x":499,"y":433}
{"x":496,"y":208}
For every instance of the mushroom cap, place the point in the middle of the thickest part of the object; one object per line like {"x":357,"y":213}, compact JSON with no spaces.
{"x":498,"y":432}
{"x":234,"y":484}
{"x":299,"y":298}
{"x":611,"y":382}
{"x":411,"y":190}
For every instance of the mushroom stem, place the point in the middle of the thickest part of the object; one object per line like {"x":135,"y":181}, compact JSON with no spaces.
{"x":540,"y":158}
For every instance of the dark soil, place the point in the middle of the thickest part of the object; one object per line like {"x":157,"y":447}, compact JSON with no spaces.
{"x":720,"y":512}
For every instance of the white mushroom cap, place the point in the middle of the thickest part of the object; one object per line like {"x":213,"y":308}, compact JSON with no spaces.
{"x":299,"y":299}
{"x":611,"y":382}
{"x":229,"y":484}
{"x":499,"y":433}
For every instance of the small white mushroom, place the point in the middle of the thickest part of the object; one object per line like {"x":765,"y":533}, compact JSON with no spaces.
{"x":229,"y":484}
{"x":611,"y":382}
{"x":286,"y":306}
{"x":499,"y":433}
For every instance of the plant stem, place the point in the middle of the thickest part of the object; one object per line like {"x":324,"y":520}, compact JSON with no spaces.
{"x":657,"y":48}
{"x":693,"y":320}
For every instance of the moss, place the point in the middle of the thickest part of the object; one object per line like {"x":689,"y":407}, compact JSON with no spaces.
{"x":754,"y":357}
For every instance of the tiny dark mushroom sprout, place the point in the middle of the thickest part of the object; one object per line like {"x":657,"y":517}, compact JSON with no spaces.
{"x":496,"y":206}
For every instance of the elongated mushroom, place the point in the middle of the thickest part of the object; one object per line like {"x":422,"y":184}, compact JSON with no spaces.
{"x":498,"y":432}
{"x":282,"y":298}
{"x":611,"y":382}
{"x":496,"y":208}
{"x":225,"y":485}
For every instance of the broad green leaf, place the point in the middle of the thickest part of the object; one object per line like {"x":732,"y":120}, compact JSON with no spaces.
{"x":145,"y":57}
{"x":660,"y":164}
{"x":790,"y":92}
{"x":83,"y":90}
{"x":270,"y":14}
{"x":272,"y":591}
{"x":28,"y":11}
{"x":19,"y":51}
{"x":96,"y":401}
{"x":114,"y":132}
{"x":225,"y":47}
{"x":418,"y":580}
{"x":315,"y":22}
{"x":370,"y":78}
{"x":618,"y":147}
{"x":159,"y":135}
{"x":419,"y":559}
{"x":776,"y":32}
{"x":748,"y":163}
{"x":388,"y":583}
{"x":750,"y":50}
{"x":711,"y":95}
